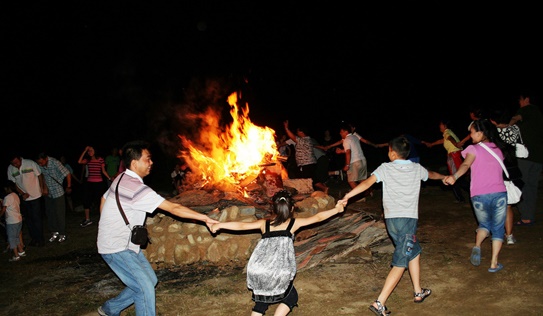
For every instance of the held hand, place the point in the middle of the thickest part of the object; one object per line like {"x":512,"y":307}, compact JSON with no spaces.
{"x":340,"y":207}
{"x":449,"y":180}
{"x":214,"y":228}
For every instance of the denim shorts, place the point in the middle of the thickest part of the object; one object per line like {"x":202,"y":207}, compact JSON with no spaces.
{"x":490,"y":210}
{"x":403,"y":231}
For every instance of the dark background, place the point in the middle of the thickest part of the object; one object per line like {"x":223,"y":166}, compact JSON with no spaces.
{"x":102,"y":73}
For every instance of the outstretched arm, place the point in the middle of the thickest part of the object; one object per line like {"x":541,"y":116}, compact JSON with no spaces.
{"x":185,"y":212}
{"x":289,"y":133}
{"x":361,"y":187}
{"x":259,"y":224}
{"x":319,"y":217}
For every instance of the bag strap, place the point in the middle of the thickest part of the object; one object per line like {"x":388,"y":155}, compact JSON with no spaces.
{"x":520,"y":136}
{"x":119,"y":202}
{"x":497,"y":158}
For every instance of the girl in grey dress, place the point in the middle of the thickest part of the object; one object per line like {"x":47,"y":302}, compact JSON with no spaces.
{"x":272,"y":266}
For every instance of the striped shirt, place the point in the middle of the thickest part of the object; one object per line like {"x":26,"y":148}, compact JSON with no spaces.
{"x":95,"y":169}
{"x":401,"y":187}
{"x":137,"y":200}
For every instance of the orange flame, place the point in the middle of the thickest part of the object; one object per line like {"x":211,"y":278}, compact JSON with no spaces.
{"x":234,"y":156}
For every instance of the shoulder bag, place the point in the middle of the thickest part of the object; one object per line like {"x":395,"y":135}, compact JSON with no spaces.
{"x":138,"y":235}
{"x":513,"y":192}
{"x":521,"y":151}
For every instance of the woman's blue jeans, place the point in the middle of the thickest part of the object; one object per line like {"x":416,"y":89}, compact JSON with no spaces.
{"x":140,"y":279}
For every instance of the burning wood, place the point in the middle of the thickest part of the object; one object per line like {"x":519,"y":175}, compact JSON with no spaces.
{"x":236,"y":157}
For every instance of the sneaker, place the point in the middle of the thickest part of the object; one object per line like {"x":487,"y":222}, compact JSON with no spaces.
{"x":86,"y":223}
{"x":53,"y":237}
{"x":61,"y":238}
{"x":510,"y":239}
{"x":15,"y":259}
{"x":101,"y":311}
{"x":22,"y":254}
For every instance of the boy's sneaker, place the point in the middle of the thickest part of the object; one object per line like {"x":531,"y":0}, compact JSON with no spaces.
{"x":15,"y":259}
{"x":510,"y":239}
{"x":86,"y":223}
{"x":54,"y":237}
{"x":101,"y":311}
{"x":22,"y":254}
{"x":61,"y":238}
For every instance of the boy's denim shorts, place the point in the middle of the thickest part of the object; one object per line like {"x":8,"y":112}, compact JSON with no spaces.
{"x":403,"y":231}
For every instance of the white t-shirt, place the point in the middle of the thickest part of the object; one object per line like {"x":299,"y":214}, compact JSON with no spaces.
{"x":137,"y":200}
{"x":401,"y":187}
{"x":353,"y":143}
{"x":13,"y":208}
{"x":27,"y":178}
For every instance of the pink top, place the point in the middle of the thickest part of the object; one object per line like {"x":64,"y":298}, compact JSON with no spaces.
{"x":486,"y":171}
{"x":95,"y":169}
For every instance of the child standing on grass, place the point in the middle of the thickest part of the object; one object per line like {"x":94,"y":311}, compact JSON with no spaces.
{"x":272,"y":266}
{"x":401,"y":180}
{"x":11,"y":206}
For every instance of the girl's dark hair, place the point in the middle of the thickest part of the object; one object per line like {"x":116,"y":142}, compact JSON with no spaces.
{"x":401,"y":146}
{"x":283,"y":207}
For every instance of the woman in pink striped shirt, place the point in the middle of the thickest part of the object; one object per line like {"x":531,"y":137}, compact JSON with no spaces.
{"x":94,"y":186}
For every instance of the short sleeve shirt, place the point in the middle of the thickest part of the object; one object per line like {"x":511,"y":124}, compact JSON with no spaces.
{"x":137,"y":200}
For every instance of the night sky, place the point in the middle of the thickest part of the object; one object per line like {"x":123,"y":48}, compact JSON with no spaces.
{"x":103,"y":73}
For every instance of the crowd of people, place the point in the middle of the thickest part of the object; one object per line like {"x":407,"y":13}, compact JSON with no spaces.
{"x":41,"y":188}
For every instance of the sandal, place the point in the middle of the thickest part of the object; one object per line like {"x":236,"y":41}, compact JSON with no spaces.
{"x":423,"y":295}
{"x":381,"y":310}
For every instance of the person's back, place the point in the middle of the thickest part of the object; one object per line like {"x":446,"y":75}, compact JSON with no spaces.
{"x":400,"y":203}
{"x":272,"y":266}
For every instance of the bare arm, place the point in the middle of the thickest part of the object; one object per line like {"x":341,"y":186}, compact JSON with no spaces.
{"x":466,"y":164}
{"x":319,"y":217}
{"x":463,"y":141}
{"x":82,"y":159}
{"x":361,"y":187}
{"x":185,"y":212}
{"x":437,"y":142}
{"x":339,"y":142}
{"x":436,"y":176}
{"x":454,"y":142}
{"x":259,"y":224}
{"x":104,"y":172}
{"x":365,"y":141}
{"x":289,"y":133}
{"x":102,"y":201}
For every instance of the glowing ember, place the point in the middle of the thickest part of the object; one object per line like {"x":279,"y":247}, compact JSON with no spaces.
{"x":234,"y":156}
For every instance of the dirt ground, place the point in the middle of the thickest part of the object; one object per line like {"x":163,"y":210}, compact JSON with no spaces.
{"x":71,"y":278}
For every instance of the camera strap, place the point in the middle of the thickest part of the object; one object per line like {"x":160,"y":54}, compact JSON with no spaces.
{"x":119,"y":202}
